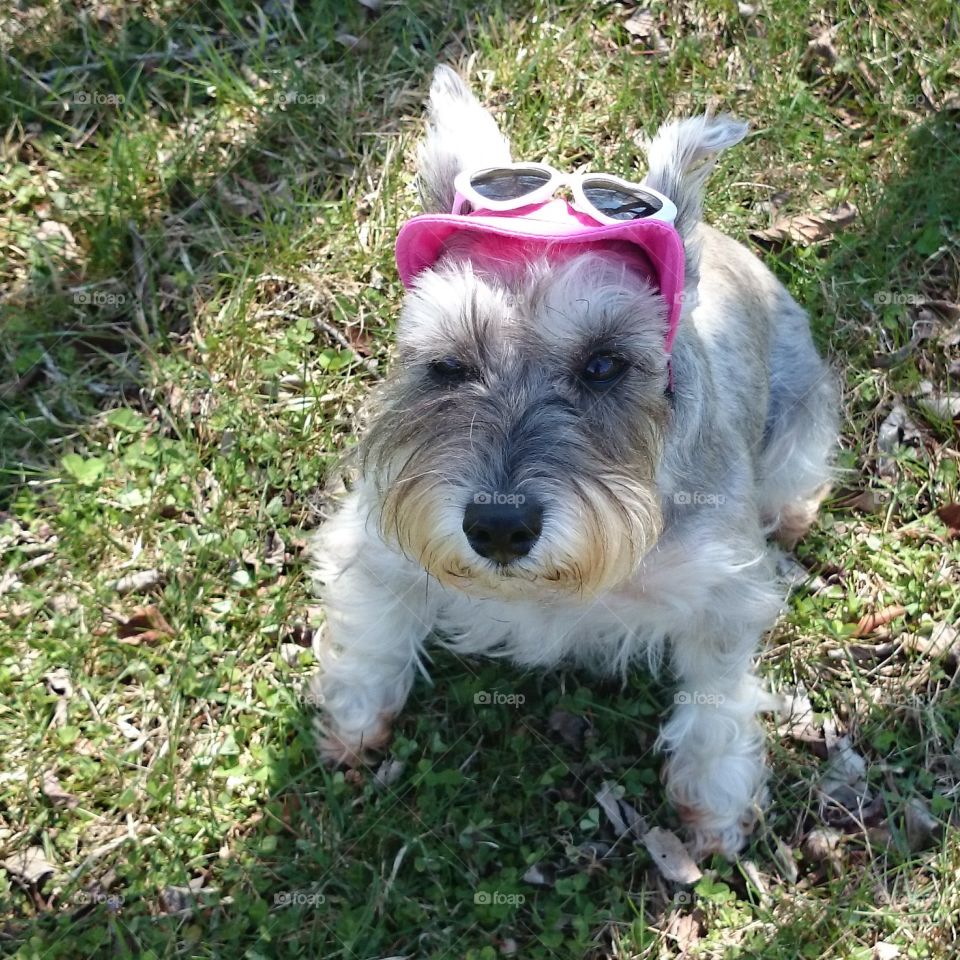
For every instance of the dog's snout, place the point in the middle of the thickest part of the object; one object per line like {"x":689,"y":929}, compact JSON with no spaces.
{"x":503,"y":528}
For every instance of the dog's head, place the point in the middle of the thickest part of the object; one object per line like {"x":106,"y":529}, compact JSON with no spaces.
{"x":516,"y":446}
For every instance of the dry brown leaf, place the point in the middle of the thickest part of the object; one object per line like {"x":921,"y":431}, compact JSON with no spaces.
{"x":943,"y":404}
{"x":684,"y":929}
{"x":920,"y":824}
{"x":806,"y":228}
{"x":275,"y":550}
{"x":882,"y":950}
{"x":821,"y":48}
{"x":822,"y":845}
{"x":943,"y":642}
{"x":50,"y":787}
{"x":671,"y":857}
{"x":144,"y":625}
{"x":950,"y":515}
{"x":878,"y":618}
{"x":29,"y":866}
{"x":641,"y":24}
{"x":621,"y":815}
{"x":845,"y":796}
{"x":139,"y":582}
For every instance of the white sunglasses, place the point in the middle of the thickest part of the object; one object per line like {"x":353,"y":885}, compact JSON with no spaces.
{"x":602,"y":196}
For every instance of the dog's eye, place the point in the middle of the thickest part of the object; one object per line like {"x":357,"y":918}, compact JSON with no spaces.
{"x":602,"y":369}
{"x":449,"y":370}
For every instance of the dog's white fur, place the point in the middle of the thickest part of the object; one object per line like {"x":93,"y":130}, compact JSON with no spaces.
{"x":698,"y":595}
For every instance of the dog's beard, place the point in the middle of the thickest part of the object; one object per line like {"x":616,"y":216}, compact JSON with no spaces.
{"x":595,"y":533}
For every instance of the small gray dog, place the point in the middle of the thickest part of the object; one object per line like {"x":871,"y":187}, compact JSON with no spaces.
{"x":601,"y":410}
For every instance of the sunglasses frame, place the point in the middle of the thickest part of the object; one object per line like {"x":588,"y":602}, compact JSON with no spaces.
{"x":465,"y":192}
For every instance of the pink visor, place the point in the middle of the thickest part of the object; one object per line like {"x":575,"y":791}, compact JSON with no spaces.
{"x":421,"y":241}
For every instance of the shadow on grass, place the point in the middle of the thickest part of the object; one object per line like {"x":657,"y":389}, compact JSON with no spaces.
{"x":153,"y":159}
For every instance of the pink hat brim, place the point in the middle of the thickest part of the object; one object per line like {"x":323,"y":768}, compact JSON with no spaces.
{"x":421,"y":241}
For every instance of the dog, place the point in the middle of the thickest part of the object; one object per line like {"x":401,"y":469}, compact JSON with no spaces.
{"x":601,"y":412}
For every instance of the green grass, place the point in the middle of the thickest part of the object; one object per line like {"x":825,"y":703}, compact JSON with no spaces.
{"x":197,"y":208}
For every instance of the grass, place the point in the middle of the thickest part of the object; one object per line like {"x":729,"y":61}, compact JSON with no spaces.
{"x":198,"y":207}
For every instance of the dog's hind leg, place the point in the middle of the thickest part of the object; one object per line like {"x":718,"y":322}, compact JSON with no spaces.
{"x":800,"y":439}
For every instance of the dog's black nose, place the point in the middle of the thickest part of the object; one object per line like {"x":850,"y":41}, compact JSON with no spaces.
{"x":503,"y":527}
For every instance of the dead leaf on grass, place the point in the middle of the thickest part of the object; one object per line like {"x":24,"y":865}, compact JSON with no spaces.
{"x":845,"y":797}
{"x":671,"y":857}
{"x":799,"y":722}
{"x":539,"y":875}
{"x":641,"y":24}
{"x":140,"y":582}
{"x":621,"y":815}
{"x":29,"y":866}
{"x":822,"y":845}
{"x":144,"y":625}
{"x":821,"y":49}
{"x":882,"y":950}
{"x":920,"y":824}
{"x":806,"y":228}
{"x":50,"y":787}
{"x":942,"y":404}
{"x":58,"y":683}
{"x":275,"y":550}
{"x":942,"y":643}
{"x":897,"y":430}
{"x":389,"y":772}
{"x":684,"y":930}
{"x":950,"y":515}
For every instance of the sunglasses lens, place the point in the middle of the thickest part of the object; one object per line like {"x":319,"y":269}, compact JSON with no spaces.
{"x":500,"y":184}
{"x":620,"y":202}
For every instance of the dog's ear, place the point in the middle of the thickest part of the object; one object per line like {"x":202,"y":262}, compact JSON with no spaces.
{"x":460,"y":135}
{"x":681,"y":156}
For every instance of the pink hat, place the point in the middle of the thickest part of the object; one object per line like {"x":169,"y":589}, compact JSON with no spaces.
{"x":421,"y":241}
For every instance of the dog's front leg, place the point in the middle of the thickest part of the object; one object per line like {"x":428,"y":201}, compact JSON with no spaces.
{"x":376,"y":620}
{"x":715,"y":770}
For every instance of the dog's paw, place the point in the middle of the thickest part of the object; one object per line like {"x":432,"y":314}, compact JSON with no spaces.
{"x":706,"y":834}
{"x":339,"y":750}
{"x":704,"y":840}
